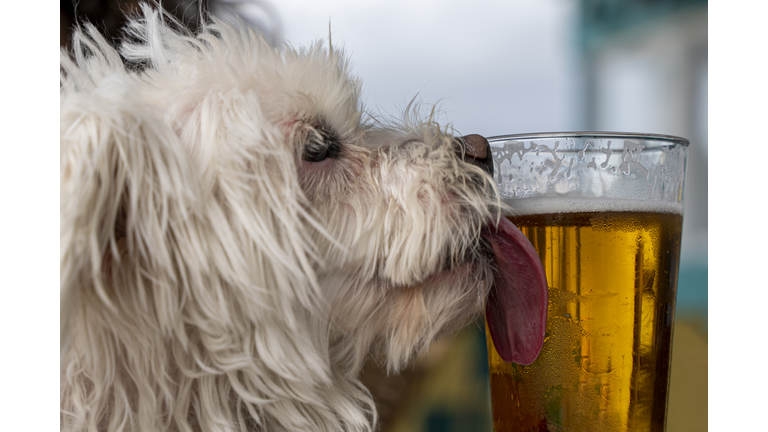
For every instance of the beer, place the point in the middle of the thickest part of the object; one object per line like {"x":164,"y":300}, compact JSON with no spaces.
{"x":604,"y":366}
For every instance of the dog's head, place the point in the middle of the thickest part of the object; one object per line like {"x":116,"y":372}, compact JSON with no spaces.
{"x":238,"y":235}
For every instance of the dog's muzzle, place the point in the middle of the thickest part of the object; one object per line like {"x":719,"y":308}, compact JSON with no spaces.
{"x":476,"y":150}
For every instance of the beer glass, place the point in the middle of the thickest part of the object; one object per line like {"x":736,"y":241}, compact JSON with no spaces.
{"x":604,"y":212}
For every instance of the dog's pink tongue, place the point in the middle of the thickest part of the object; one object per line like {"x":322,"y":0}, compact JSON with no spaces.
{"x":516,"y":309}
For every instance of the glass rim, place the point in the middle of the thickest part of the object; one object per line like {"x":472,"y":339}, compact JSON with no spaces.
{"x":595,"y":134}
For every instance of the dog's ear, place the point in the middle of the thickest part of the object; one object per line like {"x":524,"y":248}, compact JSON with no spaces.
{"x":127,"y":194}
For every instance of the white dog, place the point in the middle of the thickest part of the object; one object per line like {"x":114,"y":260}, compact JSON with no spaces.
{"x":237,"y":237}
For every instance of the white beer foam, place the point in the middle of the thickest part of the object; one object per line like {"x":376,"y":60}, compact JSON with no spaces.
{"x":549,"y":205}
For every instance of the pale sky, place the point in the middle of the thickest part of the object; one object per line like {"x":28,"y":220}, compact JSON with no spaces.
{"x":495,"y":67}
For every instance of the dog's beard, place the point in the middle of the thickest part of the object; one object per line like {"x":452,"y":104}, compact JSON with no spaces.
{"x":396,"y":322}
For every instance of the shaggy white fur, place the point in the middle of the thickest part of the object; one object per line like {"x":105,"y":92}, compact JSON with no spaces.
{"x":237,"y":237}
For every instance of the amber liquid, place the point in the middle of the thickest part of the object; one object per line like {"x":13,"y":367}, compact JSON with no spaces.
{"x":605,"y":362}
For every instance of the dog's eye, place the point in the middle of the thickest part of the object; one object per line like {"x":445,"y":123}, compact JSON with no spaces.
{"x":321,"y":143}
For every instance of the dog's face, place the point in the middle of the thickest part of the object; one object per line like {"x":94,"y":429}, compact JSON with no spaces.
{"x":235,"y":226}
{"x":394,"y":212}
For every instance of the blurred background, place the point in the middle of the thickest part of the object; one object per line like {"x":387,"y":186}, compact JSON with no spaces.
{"x":501,"y":67}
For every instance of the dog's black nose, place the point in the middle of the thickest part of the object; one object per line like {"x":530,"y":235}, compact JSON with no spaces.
{"x":477,"y":151}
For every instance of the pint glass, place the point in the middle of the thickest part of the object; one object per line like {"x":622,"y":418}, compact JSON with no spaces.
{"x":604,"y":212}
